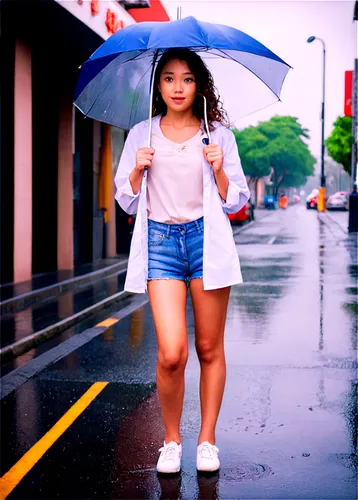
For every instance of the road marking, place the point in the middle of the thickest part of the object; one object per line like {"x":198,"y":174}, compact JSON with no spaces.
{"x":108,"y":322}
{"x":12,"y":478}
{"x":17,"y":377}
{"x":271,"y":240}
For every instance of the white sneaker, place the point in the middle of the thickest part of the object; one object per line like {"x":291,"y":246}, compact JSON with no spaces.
{"x":169,"y":459}
{"x":207,"y":459}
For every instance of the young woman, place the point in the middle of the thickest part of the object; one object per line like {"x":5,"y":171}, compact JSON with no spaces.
{"x":182,"y":189}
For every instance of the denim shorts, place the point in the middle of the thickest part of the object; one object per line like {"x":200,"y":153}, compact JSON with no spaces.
{"x":175,"y":251}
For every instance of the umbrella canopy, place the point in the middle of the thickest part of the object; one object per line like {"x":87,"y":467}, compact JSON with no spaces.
{"x":115,"y":82}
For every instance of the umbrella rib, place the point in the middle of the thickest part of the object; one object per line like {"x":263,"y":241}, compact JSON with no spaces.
{"x":139,"y":81}
{"x":203,"y":34}
{"x":98,"y":96}
{"x":248,"y":69}
{"x":106,"y":85}
{"x":260,"y":109}
{"x":95,"y":61}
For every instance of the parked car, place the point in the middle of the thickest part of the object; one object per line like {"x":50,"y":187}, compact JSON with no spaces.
{"x":246,"y":214}
{"x":312,"y":200}
{"x":338,"y":201}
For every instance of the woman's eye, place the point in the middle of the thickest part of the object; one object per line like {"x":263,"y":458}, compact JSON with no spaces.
{"x":168,"y":79}
{"x":189,"y":79}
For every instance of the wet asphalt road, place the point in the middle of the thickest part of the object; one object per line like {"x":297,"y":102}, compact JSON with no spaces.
{"x":288,"y":425}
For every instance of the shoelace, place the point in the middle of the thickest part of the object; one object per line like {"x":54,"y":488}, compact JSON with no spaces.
{"x":208,"y":449}
{"x":169,"y":452}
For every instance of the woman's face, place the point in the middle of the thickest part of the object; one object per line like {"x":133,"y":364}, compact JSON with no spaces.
{"x":177,"y":85}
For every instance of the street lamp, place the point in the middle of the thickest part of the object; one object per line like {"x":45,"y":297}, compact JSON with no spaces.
{"x":322,"y":192}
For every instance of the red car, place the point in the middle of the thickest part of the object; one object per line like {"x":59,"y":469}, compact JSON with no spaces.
{"x":312,"y":200}
{"x":245,"y":214}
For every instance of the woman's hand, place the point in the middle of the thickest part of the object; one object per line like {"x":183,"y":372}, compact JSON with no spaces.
{"x":144,"y":158}
{"x":215,"y":156}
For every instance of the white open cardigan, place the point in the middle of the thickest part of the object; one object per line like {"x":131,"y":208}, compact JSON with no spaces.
{"x":221,"y":266}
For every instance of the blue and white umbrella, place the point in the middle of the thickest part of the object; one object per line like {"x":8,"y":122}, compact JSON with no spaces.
{"x":115,"y":85}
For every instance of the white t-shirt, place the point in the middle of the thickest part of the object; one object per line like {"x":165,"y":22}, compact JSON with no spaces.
{"x":175,"y":179}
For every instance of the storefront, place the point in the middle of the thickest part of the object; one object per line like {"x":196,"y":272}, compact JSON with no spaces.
{"x":52,"y":210}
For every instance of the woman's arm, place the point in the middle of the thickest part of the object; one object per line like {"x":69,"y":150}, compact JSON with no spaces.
{"x":222,"y":182}
{"x":237,"y":192}
{"x":135,"y":179}
{"x":144,"y":157}
{"x":128,"y":179}
{"x":125,"y":196}
{"x":228,"y":174}
{"x":215,"y":156}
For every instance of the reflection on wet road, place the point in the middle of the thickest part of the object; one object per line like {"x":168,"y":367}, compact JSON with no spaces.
{"x":288,"y":426}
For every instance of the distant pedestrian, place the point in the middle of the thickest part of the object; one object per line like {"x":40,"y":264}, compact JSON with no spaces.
{"x":283,"y":201}
{"x":182,"y":189}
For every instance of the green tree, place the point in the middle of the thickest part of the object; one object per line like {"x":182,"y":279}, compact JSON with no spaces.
{"x":252,"y":147}
{"x":339,"y":143}
{"x":276,"y":145}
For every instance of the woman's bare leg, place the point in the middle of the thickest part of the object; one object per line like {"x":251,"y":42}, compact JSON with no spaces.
{"x":210,"y":308}
{"x":168,"y":304}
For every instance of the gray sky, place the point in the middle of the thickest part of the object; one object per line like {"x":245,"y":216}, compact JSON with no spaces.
{"x":284,"y":26}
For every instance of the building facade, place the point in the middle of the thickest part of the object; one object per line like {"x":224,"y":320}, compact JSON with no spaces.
{"x":57,"y":206}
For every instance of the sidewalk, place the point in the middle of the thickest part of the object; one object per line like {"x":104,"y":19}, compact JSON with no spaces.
{"x":10,"y":291}
{"x":337,"y":217}
{"x":56,"y":302}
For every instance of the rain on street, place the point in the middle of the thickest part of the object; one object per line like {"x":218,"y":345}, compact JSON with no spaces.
{"x":90,"y":423}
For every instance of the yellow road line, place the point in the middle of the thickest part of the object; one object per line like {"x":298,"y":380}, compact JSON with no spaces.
{"x":108,"y":322}
{"x":12,"y":478}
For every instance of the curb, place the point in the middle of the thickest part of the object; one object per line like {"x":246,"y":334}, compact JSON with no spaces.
{"x":21,"y":301}
{"x":325,"y":215}
{"x":17,"y":377}
{"x":27,"y":343}
{"x":242,"y":228}
{"x":249,"y":224}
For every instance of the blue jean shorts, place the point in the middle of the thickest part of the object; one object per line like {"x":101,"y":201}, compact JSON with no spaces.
{"x":175,"y":251}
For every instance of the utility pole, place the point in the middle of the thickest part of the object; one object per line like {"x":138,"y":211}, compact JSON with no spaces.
{"x":321,"y":205}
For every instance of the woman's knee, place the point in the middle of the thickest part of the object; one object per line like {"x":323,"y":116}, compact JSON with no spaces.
{"x":172,"y":361}
{"x":208,"y":352}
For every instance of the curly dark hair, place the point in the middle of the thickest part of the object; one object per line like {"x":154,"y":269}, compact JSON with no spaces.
{"x":204,"y":86}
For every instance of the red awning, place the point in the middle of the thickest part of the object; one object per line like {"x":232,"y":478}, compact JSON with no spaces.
{"x":156,"y":12}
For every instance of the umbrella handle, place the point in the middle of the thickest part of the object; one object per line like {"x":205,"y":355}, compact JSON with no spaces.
{"x":155,"y":56}
{"x":206,"y":119}
{"x":151,"y":101}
